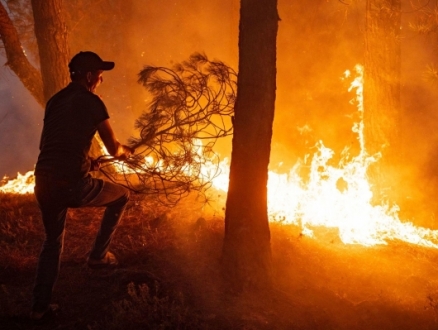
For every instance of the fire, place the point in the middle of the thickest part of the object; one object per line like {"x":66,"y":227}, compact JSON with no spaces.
{"x":331,"y":197}
{"x":23,"y":184}
{"x":340,"y":197}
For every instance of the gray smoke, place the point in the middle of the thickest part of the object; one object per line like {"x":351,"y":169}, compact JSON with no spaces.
{"x":21,"y":120}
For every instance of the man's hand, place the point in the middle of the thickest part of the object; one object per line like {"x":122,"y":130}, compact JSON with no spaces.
{"x":95,"y":165}
{"x":125,"y":152}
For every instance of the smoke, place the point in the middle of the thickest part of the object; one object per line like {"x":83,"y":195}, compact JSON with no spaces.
{"x":20,"y":125}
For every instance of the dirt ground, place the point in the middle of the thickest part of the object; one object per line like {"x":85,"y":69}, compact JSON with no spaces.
{"x":169,"y":276}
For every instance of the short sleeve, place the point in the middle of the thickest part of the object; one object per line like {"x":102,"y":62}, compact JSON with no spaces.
{"x":98,"y":109}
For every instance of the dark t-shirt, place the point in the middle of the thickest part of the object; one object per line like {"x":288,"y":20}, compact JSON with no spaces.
{"x":70,"y":122}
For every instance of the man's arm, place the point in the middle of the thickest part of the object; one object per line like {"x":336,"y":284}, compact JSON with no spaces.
{"x":114,"y":147}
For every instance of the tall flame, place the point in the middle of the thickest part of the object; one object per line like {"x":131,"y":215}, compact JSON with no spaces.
{"x":341,"y":197}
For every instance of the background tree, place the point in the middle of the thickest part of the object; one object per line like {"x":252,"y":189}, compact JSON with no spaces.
{"x":53,"y":49}
{"x":52,"y":40}
{"x":17,"y":60}
{"x":246,"y":252}
{"x":382,"y":106}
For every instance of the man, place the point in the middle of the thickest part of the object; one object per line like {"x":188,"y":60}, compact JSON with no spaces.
{"x":72,"y":117}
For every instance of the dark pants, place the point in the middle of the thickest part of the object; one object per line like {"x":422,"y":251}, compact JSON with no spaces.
{"x":54,"y":197}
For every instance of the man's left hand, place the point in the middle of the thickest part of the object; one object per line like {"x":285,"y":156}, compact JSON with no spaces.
{"x":95,"y":165}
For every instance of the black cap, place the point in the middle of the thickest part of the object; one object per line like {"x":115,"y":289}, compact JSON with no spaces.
{"x":88,"y":61}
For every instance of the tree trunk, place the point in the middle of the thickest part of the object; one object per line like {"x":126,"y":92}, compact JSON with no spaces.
{"x":382,"y":89}
{"x":246,"y":252}
{"x":17,"y":59}
{"x":52,"y":39}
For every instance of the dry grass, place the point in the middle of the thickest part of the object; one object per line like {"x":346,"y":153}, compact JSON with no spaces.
{"x":169,"y":276}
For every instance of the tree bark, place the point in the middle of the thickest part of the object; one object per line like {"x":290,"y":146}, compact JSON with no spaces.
{"x":382,"y":105}
{"x":246,"y":251}
{"x":53,"y":48}
{"x":17,"y":59}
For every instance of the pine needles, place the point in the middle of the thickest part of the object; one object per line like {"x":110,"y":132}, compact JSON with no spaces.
{"x":192,"y":107}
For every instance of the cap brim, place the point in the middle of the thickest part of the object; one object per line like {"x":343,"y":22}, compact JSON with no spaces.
{"x":107,"y":65}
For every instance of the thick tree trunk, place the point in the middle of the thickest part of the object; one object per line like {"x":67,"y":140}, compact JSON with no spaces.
{"x":382,"y":109}
{"x":54,"y":52}
{"x":246,"y":249}
{"x":17,"y":60}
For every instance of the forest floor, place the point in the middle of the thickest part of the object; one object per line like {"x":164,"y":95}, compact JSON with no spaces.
{"x":169,"y":276}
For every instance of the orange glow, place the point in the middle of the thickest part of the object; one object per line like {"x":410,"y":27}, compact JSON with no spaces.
{"x":336,"y":197}
{"x":339,"y":197}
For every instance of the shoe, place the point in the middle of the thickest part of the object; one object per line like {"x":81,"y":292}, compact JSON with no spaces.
{"x":109,"y":261}
{"x":38,"y":318}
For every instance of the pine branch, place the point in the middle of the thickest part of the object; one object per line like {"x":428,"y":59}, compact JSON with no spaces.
{"x":192,"y":102}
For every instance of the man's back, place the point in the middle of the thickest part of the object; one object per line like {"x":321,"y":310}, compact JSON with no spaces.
{"x":70,"y":122}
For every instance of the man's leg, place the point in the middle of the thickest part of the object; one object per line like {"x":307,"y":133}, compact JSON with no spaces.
{"x":114,"y":197}
{"x":49,"y":260}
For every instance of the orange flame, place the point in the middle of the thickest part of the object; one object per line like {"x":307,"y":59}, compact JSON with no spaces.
{"x":23,"y":184}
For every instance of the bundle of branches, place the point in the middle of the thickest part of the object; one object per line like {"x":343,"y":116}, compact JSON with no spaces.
{"x":192,"y":107}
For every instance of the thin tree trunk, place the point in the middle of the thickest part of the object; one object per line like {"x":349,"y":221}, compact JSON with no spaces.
{"x":382,"y":108}
{"x":17,"y":59}
{"x":246,"y":249}
{"x":52,"y":39}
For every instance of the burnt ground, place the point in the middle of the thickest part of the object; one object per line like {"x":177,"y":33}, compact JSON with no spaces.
{"x":169,"y":276}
